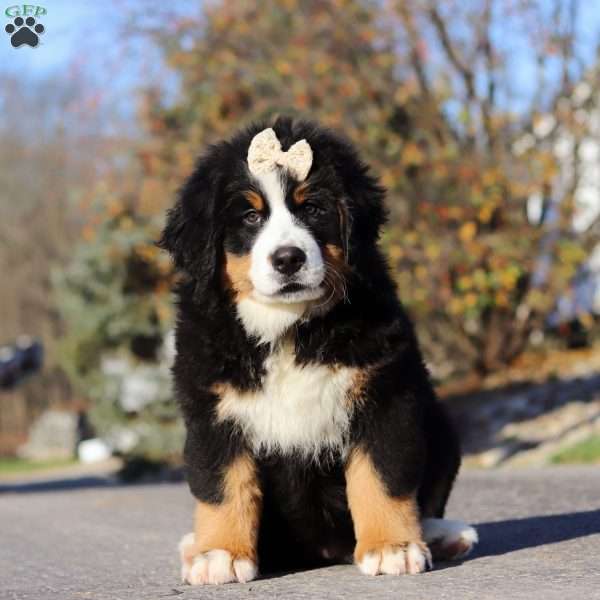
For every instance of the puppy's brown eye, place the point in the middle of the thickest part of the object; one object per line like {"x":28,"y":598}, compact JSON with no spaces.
{"x":312,"y":209}
{"x":252,"y":217}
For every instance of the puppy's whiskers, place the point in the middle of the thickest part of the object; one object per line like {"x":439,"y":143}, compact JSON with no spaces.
{"x":336,"y":275}
{"x":336,"y":282}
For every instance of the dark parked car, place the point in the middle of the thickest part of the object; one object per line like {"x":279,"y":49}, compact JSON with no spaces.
{"x":19,"y":360}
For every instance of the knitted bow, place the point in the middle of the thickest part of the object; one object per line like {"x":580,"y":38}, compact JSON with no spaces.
{"x":265,"y":153}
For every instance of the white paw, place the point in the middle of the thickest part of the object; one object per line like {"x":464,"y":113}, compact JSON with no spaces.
{"x":186,"y":554}
{"x":215,"y":566}
{"x":396,"y":560}
{"x":449,"y":540}
{"x":218,"y":566}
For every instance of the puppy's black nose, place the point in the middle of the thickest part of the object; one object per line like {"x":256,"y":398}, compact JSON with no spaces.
{"x":288,"y":259}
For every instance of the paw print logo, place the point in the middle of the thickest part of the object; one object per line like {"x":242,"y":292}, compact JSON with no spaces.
{"x":24,"y":32}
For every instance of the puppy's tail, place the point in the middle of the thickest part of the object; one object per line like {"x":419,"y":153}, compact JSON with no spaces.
{"x":449,"y":540}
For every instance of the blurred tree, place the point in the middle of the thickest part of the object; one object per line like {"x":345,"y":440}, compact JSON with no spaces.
{"x":115,"y":298}
{"x":469,"y":261}
{"x":39,"y":171}
{"x":240,"y":62}
{"x":423,"y":88}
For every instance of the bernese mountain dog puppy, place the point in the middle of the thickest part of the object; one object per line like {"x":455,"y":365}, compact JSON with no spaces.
{"x":313,"y":432}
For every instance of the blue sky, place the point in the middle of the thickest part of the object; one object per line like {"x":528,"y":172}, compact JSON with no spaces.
{"x":84,"y":39}
{"x":87,"y":36}
{"x":70,"y":28}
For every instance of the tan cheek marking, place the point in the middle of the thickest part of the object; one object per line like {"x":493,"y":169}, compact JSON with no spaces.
{"x":379,"y":519}
{"x":233,"y":524}
{"x":255,"y":199}
{"x":336,"y":270}
{"x":300,"y":194}
{"x":334,"y":253}
{"x":237,"y":274}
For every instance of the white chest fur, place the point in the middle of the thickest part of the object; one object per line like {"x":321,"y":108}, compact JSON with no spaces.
{"x":300,"y":409}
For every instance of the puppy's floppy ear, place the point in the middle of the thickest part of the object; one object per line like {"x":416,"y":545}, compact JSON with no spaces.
{"x":364,"y":196}
{"x":367,"y":211}
{"x":192,"y":233}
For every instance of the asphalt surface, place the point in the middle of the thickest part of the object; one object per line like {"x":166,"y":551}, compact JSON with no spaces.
{"x":539,"y":531}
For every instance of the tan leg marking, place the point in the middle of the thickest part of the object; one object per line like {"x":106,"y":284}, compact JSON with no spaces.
{"x":223,"y":546}
{"x":387,"y":529}
{"x":233,"y":524}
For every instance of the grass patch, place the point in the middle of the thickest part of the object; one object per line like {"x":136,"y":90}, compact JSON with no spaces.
{"x":11,"y":466}
{"x":586,"y":451}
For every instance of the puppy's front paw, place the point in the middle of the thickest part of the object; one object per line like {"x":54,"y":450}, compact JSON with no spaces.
{"x":219,"y":566}
{"x":215,"y":566}
{"x":395,"y":559}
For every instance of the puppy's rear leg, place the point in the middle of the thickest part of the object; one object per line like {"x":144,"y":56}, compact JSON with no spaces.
{"x":443,"y":462}
{"x":449,"y":540}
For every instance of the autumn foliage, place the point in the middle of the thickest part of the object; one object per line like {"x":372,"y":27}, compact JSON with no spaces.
{"x":423,"y":89}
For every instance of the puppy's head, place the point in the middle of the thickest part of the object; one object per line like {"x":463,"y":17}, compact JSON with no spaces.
{"x":277,"y":221}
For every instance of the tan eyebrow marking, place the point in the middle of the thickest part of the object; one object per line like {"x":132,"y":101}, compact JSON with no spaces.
{"x":255,"y":199}
{"x":300,"y":194}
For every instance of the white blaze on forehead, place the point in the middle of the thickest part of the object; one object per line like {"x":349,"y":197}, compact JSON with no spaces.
{"x":265,"y":314}
{"x":282,"y":229}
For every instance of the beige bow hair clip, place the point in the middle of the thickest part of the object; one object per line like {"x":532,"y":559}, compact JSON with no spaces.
{"x":265,"y":153}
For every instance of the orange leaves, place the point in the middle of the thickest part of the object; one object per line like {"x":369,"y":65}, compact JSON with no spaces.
{"x":184,"y":158}
{"x":301,"y":100}
{"x":395,"y":252}
{"x":432,"y":250}
{"x":467,"y":231}
{"x":322,"y":66}
{"x":149,"y":160}
{"x":508,"y":277}
{"x":152,"y":197}
{"x":421,"y":273}
{"x":502,"y":299}
{"x":412,"y":154}
{"x":283,"y":67}
{"x":146,"y":251}
{"x":464,"y":283}
{"x":164,"y":312}
{"x":470,"y":300}
{"x":459,"y":242}
{"x":485,"y":212}
{"x":114,"y":207}
{"x":88,"y":233}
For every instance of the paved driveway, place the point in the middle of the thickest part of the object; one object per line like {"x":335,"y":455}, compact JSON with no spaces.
{"x":539,"y":530}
